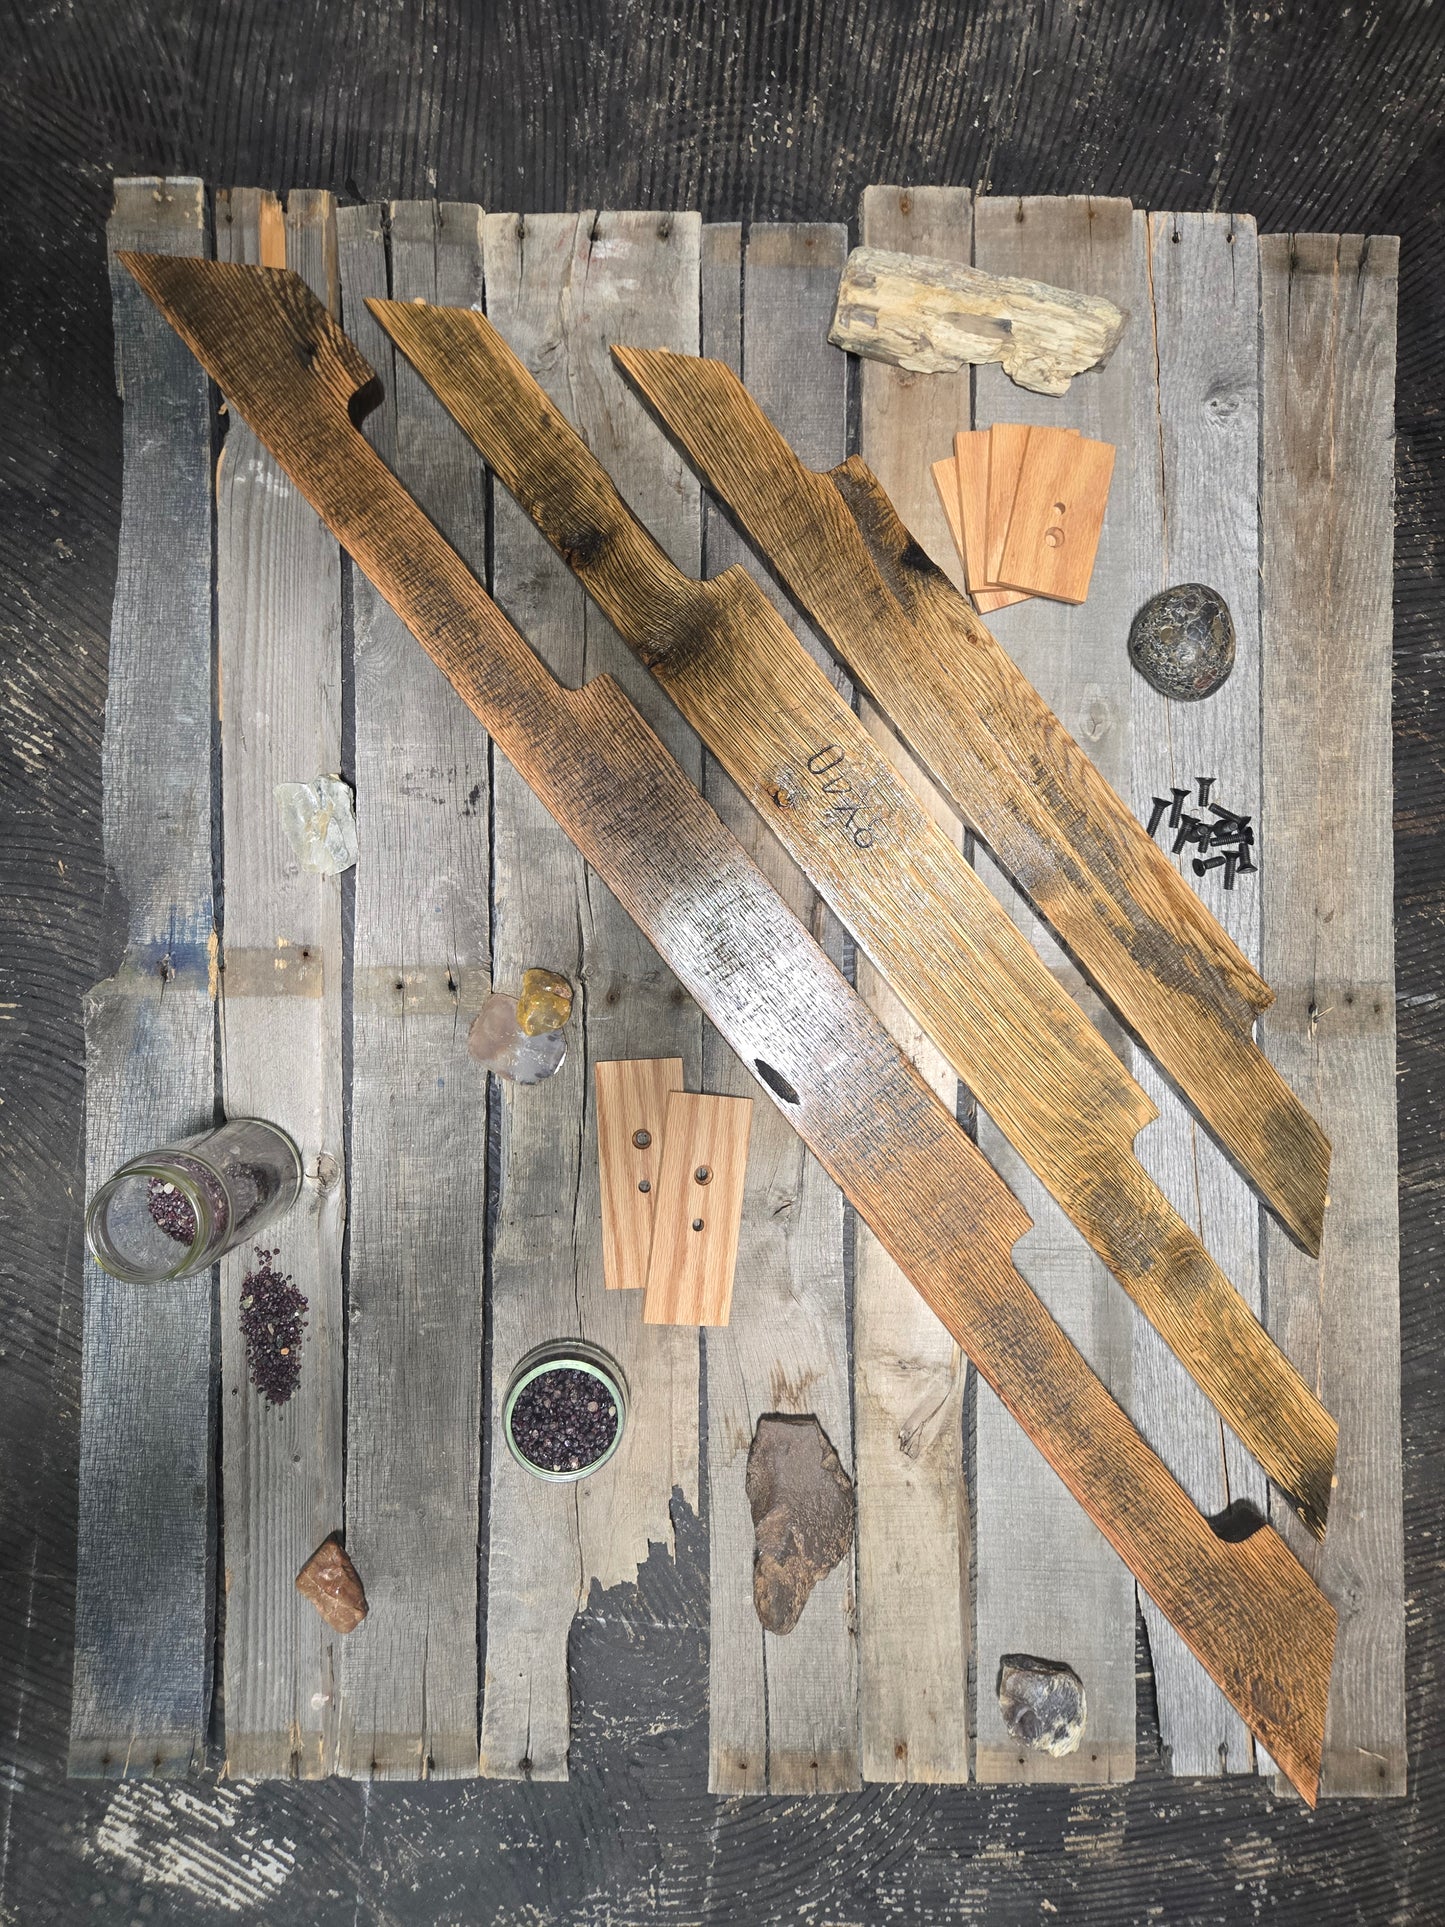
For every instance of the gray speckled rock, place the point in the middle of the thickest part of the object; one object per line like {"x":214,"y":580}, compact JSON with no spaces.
{"x":1042,"y":1702}
{"x":1182,"y":641}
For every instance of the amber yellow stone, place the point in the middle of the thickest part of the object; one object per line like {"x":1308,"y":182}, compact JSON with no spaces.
{"x":545,"y":1002}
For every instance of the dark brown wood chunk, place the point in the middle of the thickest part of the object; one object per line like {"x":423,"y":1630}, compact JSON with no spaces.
{"x":802,"y":1504}
{"x":333,"y":1585}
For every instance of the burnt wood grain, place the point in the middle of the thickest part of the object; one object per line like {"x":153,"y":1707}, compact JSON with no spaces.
{"x":1243,"y":1603}
{"x":791,"y":744}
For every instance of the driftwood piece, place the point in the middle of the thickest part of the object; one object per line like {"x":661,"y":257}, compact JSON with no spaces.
{"x":802,"y":1506}
{"x":937,"y":316}
{"x":1243,"y":1602}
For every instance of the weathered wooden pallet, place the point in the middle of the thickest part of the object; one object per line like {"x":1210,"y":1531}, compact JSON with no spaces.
{"x":581,"y":303}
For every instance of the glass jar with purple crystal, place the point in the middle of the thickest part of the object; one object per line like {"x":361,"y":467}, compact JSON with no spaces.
{"x":564,"y":1411}
{"x":173,"y":1212}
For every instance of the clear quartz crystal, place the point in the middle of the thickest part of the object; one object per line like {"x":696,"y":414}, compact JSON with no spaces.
{"x":499,"y":1043}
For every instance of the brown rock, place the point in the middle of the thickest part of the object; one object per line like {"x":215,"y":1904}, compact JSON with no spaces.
{"x":333,"y":1585}
{"x":545,"y":1003}
{"x":802,"y":1506}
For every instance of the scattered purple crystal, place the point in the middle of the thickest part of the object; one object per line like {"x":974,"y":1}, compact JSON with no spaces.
{"x":273,"y":1317}
{"x":564,"y":1421}
{"x":172,"y":1210}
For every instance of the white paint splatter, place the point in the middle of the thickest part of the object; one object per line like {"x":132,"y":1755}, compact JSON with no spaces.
{"x":196,"y":1839}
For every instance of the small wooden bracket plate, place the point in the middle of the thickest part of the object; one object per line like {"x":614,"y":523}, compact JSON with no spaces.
{"x":963,"y":487}
{"x":632,"y":1099}
{"x":699,"y":1210}
{"x":1007,"y":442}
{"x":1058,"y":513}
{"x":946,"y":480}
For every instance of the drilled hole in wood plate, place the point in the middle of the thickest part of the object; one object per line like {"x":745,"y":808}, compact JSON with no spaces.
{"x":776,"y":1082}
{"x":697,"y":1224}
{"x":644,"y":1184}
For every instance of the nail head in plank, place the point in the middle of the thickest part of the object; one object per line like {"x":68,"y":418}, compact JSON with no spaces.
{"x":278,"y":616}
{"x":141,"y":1694}
{"x":782,"y":1713}
{"x":912,"y":1531}
{"x":407,"y":1676}
{"x":631,"y":1112}
{"x":1204,"y":285}
{"x":699,"y":1209}
{"x":1328,"y":337}
{"x":562,"y":289}
{"x":1057,"y":514}
{"x":1047,"y":1583}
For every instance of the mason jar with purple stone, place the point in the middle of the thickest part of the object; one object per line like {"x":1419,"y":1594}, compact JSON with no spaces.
{"x":564,"y":1410}
{"x":173,"y":1212}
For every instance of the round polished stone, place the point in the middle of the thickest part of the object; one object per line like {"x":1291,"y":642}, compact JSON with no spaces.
{"x":1182,"y":641}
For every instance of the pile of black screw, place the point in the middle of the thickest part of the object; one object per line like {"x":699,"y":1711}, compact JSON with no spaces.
{"x":1230,"y":834}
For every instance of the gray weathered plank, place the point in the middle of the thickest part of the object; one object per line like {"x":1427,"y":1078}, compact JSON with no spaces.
{"x":1328,"y":334}
{"x":782,"y":1711}
{"x":1204,"y":279}
{"x":408,"y":1675}
{"x":278,"y":616}
{"x":142,"y":1622}
{"x":1047,"y":1582}
{"x":908,"y":1375}
{"x":561,"y":288}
